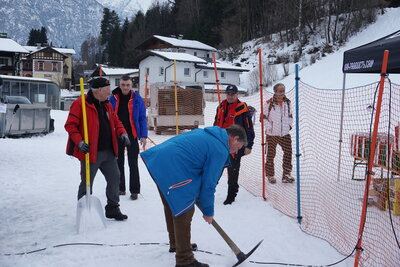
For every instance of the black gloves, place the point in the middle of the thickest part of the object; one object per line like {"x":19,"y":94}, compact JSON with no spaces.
{"x":125,"y":140}
{"x":83,"y":147}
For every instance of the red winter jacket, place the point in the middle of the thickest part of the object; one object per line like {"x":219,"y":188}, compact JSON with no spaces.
{"x":74,"y":127}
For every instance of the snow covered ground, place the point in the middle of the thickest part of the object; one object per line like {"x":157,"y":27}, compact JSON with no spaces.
{"x":38,"y":203}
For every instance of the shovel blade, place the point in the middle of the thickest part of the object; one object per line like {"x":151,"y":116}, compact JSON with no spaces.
{"x":242,"y":257}
{"x":88,"y":207}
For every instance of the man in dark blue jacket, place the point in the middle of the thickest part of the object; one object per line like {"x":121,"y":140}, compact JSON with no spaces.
{"x":186,"y":169}
{"x":131,"y":111}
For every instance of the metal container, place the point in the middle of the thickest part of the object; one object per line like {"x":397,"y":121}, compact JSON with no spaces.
{"x":25,"y":120}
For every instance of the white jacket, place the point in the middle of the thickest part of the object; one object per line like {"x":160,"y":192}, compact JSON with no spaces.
{"x":279,"y":119}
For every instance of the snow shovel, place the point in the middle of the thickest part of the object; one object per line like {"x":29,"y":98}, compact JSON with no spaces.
{"x":239,"y":254}
{"x":12,"y":118}
{"x":86,"y":203}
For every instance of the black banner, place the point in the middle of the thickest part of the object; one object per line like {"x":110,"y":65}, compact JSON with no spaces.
{"x":368,"y":58}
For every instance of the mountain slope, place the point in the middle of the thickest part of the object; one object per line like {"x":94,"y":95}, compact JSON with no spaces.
{"x":68,"y":22}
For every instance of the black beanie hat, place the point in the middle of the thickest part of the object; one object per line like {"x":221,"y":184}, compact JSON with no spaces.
{"x":99,"y":82}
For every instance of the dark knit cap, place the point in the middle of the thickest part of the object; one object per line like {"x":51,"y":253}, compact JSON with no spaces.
{"x":231,"y":89}
{"x":99,"y":82}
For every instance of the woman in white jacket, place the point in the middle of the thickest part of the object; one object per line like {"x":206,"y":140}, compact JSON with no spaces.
{"x":278,"y":122}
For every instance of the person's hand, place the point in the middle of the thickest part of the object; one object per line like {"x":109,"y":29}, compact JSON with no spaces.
{"x":125,"y":140}
{"x":143,"y":142}
{"x":83,"y":147}
{"x":208,"y":219}
{"x":247,"y":151}
{"x":262,"y":116}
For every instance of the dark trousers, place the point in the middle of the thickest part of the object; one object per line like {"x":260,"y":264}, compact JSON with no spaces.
{"x":233,"y":177}
{"x":179,"y":233}
{"x":286,"y":143}
{"x":107,"y":164}
{"x":133,"y":152}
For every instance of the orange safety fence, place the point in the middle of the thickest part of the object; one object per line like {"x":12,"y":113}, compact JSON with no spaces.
{"x":331,"y":201}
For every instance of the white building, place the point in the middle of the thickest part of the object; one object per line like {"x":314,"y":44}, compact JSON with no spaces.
{"x":115,"y":74}
{"x":194,"y":63}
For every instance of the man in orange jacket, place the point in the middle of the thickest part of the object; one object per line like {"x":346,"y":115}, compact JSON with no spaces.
{"x":103,"y":129}
{"x":233,"y":111}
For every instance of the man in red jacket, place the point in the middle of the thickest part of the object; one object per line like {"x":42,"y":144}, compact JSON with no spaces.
{"x":103,"y":129}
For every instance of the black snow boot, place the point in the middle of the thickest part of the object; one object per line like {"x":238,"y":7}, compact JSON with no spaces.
{"x":113,"y":212}
{"x":194,"y":248}
{"x":194,"y":264}
{"x":230,"y":198}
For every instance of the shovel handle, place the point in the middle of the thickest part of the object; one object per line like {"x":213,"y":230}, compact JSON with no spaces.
{"x":85,"y":135}
{"x":227,"y":239}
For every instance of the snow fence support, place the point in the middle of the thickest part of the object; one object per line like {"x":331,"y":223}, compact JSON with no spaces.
{"x":262,"y":124}
{"x":341,"y":127}
{"x":176,"y":102}
{"x":216,"y":78}
{"x":297,"y":78}
{"x":371,"y":156}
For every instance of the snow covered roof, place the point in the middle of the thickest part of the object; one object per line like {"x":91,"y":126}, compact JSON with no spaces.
{"x":177,"y":56}
{"x":185,"y":43}
{"x":9,"y":45}
{"x":68,"y":51}
{"x":213,"y":86}
{"x":221,"y":66}
{"x":175,"y":42}
{"x":9,"y":77}
{"x":117,"y":71}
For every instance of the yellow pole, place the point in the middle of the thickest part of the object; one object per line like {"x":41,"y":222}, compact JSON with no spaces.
{"x":86,"y":136}
{"x":176,"y":101}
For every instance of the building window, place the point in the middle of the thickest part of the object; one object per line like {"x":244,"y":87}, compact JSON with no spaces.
{"x":117,"y":82}
{"x":205,"y":74}
{"x":3,"y":61}
{"x":48,"y":54}
{"x":54,"y":66}
{"x":41,"y":65}
{"x":195,"y":54}
{"x":66,"y":69}
{"x":186,"y":71}
{"x":161,"y":71}
{"x":28,"y":65}
{"x":148,"y":71}
{"x":222,"y":74}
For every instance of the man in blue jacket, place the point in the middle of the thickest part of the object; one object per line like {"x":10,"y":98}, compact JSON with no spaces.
{"x":131,"y":111}
{"x":186,"y":169}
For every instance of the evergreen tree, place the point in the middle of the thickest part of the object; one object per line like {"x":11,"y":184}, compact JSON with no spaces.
{"x":43,"y":36}
{"x":110,"y":36}
{"x":105,"y":27}
{"x":37,"y":36}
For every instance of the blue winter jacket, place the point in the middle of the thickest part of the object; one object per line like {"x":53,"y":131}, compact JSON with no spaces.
{"x":187,"y":167}
{"x":137,"y":112}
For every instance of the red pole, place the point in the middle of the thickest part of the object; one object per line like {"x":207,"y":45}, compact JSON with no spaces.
{"x":146,"y":91}
{"x":371,"y":157}
{"x":101,"y":70}
{"x":216,"y":78}
{"x":262,"y":123}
